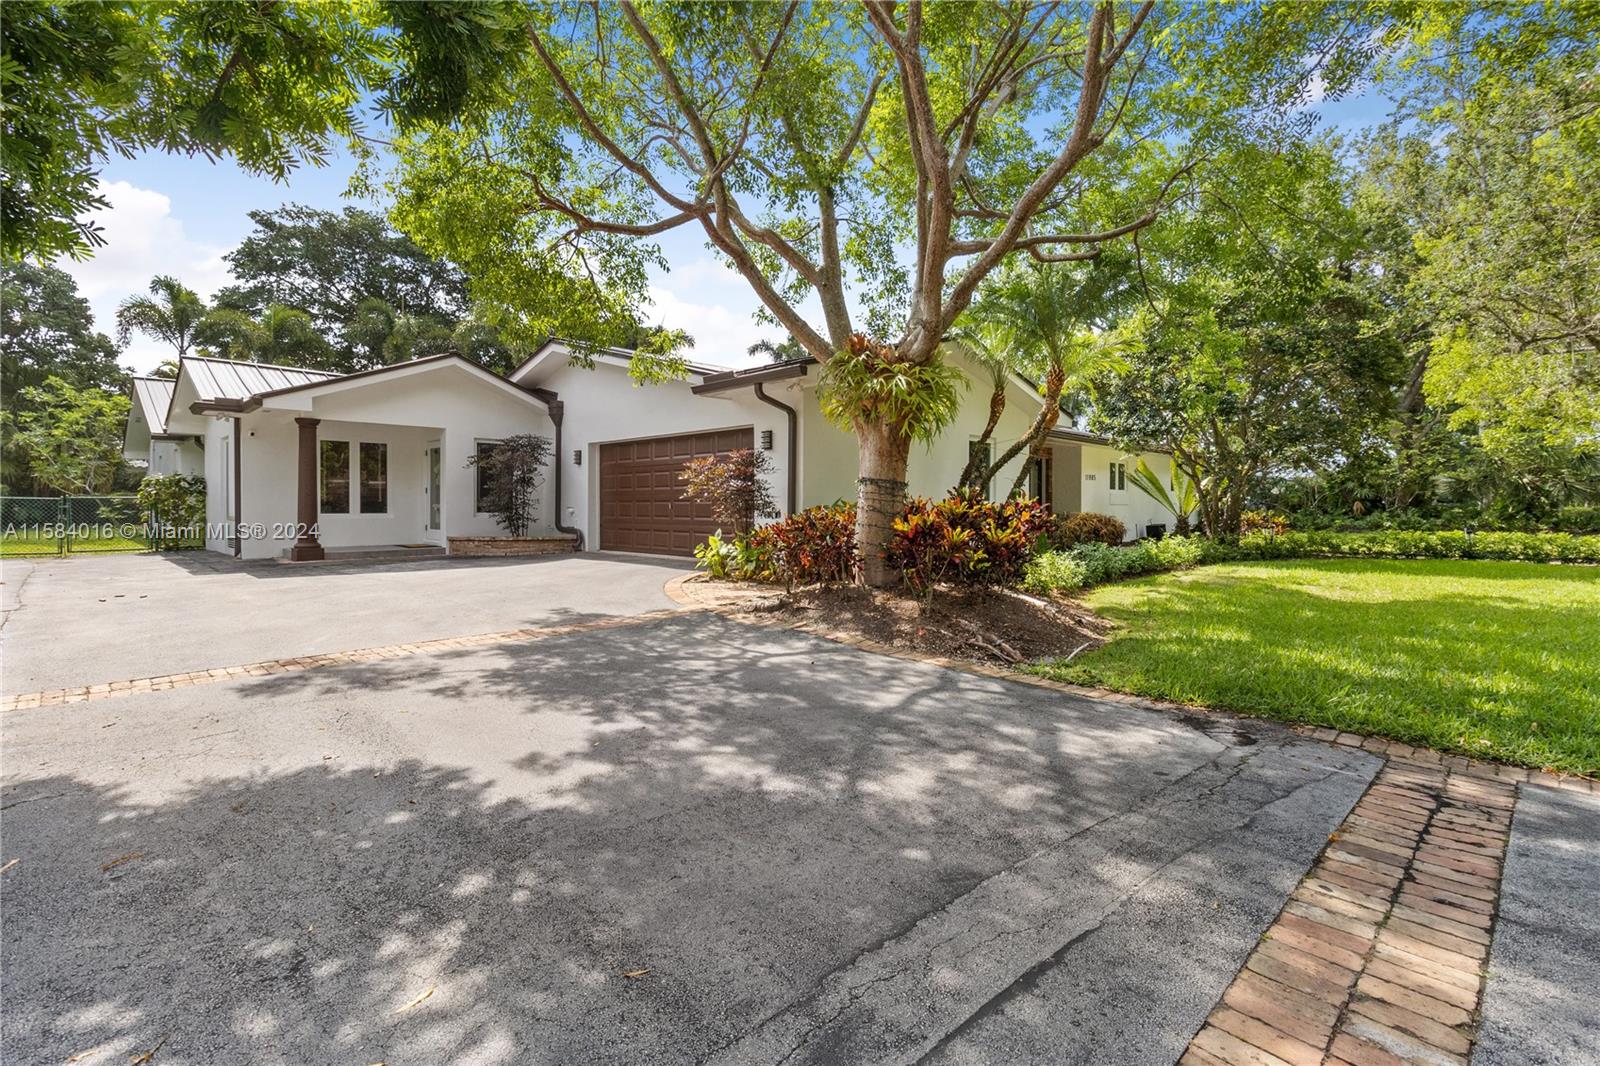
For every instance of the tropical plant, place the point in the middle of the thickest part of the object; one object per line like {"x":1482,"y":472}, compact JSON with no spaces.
{"x":174,"y":506}
{"x":785,"y":351}
{"x":965,"y":539}
{"x":263,"y":84}
{"x":1058,"y":319}
{"x":1086,"y":527}
{"x":1180,"y":501}
{"x":817,"y":545}
{"x":987,"y":337}
{"x":172,"y":314}
{"x":513,"y":470}
{"x":733,"y":485}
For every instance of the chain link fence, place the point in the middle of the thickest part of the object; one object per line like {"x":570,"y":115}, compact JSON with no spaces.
{"x":64,"y":525}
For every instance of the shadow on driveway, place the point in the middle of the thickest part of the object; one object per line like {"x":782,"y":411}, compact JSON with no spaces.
{"x":642,"y":844}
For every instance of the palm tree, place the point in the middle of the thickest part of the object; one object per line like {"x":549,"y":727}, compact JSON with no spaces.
{"x":1183,"y":499}
{"x":1058,"y":314}
{"x":786,"y":351}
{"x":171,"y":313}
{"x":988,"y":338}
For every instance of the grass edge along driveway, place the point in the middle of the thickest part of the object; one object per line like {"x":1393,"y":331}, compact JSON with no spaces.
{"x":1494,"y":660}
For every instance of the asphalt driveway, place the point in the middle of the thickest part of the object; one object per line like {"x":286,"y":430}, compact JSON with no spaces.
{"x":85,"y":620}
{"x":683,"y":840}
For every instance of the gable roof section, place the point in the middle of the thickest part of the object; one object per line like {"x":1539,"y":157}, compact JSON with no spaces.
{"x":153,"y":396}
{"x":556,"y":349}
{"x":343,"y":382}
{"x":229,"y":379}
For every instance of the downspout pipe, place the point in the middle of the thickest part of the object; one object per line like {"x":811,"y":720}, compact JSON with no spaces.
{"x":238,"y":486}
{"x":556,"y":409}
{"x":794,"y":442}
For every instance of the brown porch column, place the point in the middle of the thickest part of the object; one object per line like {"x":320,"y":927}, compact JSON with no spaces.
{"x":306,"y":545}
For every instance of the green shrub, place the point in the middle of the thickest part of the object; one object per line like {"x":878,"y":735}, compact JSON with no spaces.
{"x":1084,"y":527}
{"x":175,"y":508}
{"x":1577,"y":520}
{"x":1092,"y":563}
{"x":965,"y":539}
{"x":816,"y":545}
{"x":1423,"y":544}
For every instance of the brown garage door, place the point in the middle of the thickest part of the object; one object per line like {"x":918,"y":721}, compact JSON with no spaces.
{"x":642,"y":508}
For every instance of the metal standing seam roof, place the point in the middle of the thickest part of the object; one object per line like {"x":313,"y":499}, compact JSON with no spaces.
{"x":154,"y":396}
{"x":227,"y":379}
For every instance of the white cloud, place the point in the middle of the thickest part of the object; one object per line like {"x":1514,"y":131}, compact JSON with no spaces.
{"x":143,"y":238}
{"x":715,"y":306}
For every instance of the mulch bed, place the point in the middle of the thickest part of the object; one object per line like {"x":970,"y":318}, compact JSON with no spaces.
{"x":979,"y":624}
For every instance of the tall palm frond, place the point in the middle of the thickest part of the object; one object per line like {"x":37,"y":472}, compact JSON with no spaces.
{"x":171,"y":314}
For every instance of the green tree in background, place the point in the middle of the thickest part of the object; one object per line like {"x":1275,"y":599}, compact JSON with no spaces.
{"x":358,"y":280}
{"x":172,"y":314}
{"x":71,"y":437}
{"x":45,"y":332}
{"x":1265,"y":349}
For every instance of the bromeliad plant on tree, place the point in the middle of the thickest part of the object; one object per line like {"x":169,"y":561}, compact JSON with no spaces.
{"x":513,"y":471}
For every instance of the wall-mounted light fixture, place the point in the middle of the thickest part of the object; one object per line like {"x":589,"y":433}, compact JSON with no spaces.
{"x":766,"y":440}
{"x":577,"y":457}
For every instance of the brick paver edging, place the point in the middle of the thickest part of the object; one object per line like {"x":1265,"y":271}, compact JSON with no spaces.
{"x":108,"y":690}
{"x":1378,"y":956}
{"x":696,"y":592}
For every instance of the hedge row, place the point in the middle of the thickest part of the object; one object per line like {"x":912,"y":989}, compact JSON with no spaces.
{"x":1421,"y":544}
{"x":1086,"y":565}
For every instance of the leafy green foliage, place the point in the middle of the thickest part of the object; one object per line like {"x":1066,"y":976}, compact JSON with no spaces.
{"x":513,"y":471}
{"x":174,"y":507}
{"x":1052,"y":323}
{"x":867,"y":383}
{"x":1180,"y":499}
{"x":172,"y":314}
{"x":45,"y":331}
{"x":371,"y":292}
{"x":70,"y":437}
{"x":965,"y":540}
{"x":1089,"y":563}
{"x":1423,"y":544}
{"x":1266,"y":347}
{"x":269,"y":85}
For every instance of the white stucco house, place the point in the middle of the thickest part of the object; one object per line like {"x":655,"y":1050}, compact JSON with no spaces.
{"x":299,"y":463}
{"x":146,"y":440}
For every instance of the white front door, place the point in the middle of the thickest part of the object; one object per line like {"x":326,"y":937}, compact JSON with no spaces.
{"x":433,"y":532}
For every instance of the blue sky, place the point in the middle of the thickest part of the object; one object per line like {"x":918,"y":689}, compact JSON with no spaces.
{"x":179,"y":215}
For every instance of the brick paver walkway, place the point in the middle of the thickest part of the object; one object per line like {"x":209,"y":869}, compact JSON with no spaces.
{"x":1377,"y":958}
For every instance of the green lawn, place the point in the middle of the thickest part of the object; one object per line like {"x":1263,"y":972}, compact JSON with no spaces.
{"x":1497,"y":660}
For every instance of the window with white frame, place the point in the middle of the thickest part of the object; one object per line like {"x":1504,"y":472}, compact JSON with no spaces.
{"x":480,"y":470}
{"x":1119,"y":476}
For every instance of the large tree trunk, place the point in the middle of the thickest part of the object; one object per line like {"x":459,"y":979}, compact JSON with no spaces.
{"x":880,"y":496}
